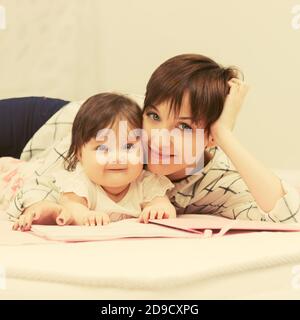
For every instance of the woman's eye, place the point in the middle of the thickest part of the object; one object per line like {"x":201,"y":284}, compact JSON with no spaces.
{"x":153,"y":116}
{"x":102,"y":147}
{"x":184,"y":126}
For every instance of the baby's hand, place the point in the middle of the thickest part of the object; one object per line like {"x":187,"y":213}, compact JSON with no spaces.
{"x":43,"y":212}
{"x":157,"y":212}
{"x":94,"y":218}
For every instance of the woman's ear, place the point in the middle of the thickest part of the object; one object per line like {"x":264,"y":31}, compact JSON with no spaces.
{"x":209,"y":141}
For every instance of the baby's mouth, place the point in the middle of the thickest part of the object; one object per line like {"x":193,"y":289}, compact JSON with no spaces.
{"x":116,"y":169}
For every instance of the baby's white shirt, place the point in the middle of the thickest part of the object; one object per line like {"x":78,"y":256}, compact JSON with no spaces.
{"x":144,"y":189}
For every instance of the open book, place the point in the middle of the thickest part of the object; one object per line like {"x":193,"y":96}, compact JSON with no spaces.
{"x":185,"y":226}
{"x":220,"y":226}
{"x":127,"y":228}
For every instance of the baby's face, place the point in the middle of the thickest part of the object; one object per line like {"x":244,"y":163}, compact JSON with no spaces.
{"x":112,"y":162}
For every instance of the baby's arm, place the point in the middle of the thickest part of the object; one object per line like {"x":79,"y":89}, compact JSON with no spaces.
{"x":80,"y":213}
{"x":158,"y":208}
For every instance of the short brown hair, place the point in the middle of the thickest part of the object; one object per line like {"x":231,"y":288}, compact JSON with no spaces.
{"x":205,"y":81}
{"x":99,"y":112}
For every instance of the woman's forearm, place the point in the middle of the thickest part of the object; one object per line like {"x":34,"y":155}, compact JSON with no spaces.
{"x":76,"y":206}
{"x":263,"y":184}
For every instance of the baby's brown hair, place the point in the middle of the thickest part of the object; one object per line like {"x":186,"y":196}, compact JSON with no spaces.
{"x":99,"y":112}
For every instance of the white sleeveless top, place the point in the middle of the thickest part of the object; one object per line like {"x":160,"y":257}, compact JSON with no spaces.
{"x":144,"y":189}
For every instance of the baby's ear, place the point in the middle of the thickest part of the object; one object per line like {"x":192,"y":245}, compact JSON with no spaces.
{"x":78,"y":155}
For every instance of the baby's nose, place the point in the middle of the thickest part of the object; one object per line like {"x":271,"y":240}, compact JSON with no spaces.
{"x":117,"y":157}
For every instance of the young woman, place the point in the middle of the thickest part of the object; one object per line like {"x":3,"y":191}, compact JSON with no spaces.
{"x":191,"y":92}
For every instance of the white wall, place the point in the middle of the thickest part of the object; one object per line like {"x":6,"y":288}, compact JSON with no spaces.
{"x":72,"y":49}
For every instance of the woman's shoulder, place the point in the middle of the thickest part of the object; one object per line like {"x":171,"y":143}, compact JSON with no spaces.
{"x":219,"y":160}
{"x":215,"y":162}
{"x":215,"y":169}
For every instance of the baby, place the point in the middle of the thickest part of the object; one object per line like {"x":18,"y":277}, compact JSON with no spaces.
{"x":104,"y":180}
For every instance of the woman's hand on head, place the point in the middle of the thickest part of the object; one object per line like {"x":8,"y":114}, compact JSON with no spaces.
{"x":232,"y":106}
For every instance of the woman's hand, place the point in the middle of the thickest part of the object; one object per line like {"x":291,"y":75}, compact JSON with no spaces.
{"x":43,"y":212}
{"x":232,"y":106}
{"x":263,"y":184}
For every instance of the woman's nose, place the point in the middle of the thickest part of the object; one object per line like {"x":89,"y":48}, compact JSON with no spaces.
{"x":163,"y":142}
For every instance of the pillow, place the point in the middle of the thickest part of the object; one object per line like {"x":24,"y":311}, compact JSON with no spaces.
{"x":58,"y":126}
{"x":21,"y":118}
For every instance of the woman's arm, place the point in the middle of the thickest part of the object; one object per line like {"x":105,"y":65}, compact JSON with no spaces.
{"x":42,"y":212}
{"x":71,"y":209}
{"x":263,"y":184}
{"x":80,"y":213}
{"x":76,"y":205}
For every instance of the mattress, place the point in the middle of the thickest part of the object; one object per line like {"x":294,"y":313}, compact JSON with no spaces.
{"x":256,"y":265}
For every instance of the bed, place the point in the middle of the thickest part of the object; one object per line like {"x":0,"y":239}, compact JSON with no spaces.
{"x":256,"y":265}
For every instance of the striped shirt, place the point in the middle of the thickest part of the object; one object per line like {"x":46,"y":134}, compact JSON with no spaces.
{"x":219,"y":189}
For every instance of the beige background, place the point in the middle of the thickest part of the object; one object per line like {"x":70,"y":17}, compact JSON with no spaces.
{"x":72,"y":48}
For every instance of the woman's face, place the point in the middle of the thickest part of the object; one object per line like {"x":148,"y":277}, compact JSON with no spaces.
{"x":182,"y":143}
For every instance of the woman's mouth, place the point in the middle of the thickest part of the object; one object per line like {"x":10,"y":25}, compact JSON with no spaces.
{"x":159,"y":154}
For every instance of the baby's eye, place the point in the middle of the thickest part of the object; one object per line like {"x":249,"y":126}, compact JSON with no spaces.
{"x":102,"y":147}
{"x":129,"y":146}
{"x":184,"y":126}
{"x":153,"y":116}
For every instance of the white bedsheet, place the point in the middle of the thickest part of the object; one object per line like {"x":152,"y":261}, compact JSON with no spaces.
{"x":253,"y":265}
{"x":258,"y":265}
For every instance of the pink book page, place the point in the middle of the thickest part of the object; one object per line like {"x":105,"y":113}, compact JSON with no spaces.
{"x":128,"y":228}
{"x":198,"y":222}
